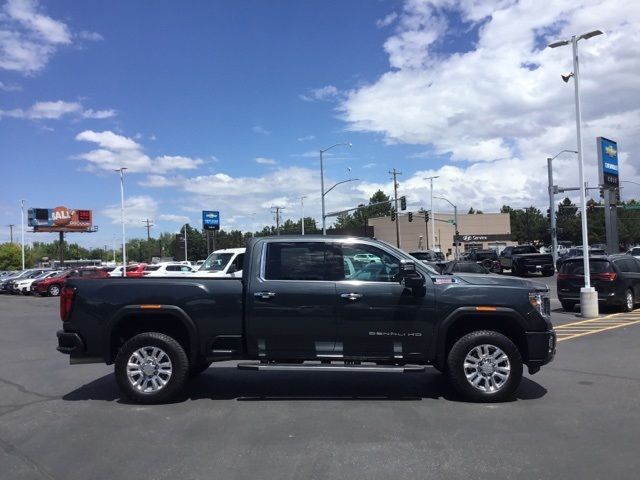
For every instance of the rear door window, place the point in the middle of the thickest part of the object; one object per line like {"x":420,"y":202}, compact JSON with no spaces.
{"x":628,"y":265}
{"x":303,"y":261}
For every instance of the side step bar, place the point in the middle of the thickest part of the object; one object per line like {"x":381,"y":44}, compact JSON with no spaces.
{"x":318,"y":367}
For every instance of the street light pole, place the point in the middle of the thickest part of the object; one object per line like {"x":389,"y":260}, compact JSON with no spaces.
{"x":22,"y":223}
{"x":185,"y":243}
{"x":433,"y":220}
{"x":322,"y":192}
{"x":455,"y":225}
{"x":124,"y":244}
{"x":588,"y":294}
{"x":302,"y":212}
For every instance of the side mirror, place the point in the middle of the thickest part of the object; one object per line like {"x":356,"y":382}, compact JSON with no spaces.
{"x":409,"y":276}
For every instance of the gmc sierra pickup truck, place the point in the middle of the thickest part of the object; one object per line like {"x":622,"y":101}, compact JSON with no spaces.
{"x":298,"y":307}
{"x":525,"y":259}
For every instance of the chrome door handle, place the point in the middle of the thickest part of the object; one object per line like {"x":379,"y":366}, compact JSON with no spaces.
{"x":264,"y":295}
{"x":352,"y":296}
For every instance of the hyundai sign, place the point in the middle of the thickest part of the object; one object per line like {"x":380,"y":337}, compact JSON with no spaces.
{"x":210,"y":220}
{"x":608,"y":162}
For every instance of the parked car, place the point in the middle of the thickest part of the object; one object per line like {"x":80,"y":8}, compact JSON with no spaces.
{"x":24,"y":286}
{"x":6,"y":284}
{"x":136,"y":271}
{"x":464,"y":266}
{"x":574,"y":252}
{"x":525,"y":259}
{"x":223,"y":263}
{"x":434,"y":259}
{"x":53,"y":285}
{"x":487,"y":258}
{"x":294,"y":304}
{"x":169,"y":269}
{"x":616,"y":278}
{"x":634,"y":251}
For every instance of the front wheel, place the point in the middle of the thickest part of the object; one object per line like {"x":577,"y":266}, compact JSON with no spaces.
{"x":151,"y":368}
{"x":484,"y":366}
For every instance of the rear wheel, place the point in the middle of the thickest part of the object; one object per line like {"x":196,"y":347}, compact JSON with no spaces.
{"x":484,"y":366}
{"x":568,"y":306}
{"x":54,"y":290}
{"x":151,"y":368}
{"x":629,"y":301}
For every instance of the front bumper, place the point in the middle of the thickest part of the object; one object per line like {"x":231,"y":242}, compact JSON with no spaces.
{"x":541,"y":347}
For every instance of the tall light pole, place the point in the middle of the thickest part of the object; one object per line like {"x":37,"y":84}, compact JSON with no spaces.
{"x":322,"y":192}
{"x":552,"y":205}
{"x":455,"y":224}
{"x":124,"y":244}
{"x":433,"y":220}
{"x":185,"y":242}
{"x":22,"y":223}
{"x":588,"y":294}
{"x":302,"y":212}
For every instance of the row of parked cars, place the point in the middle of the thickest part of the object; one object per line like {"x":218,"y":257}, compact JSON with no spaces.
{"x":49,"y":282}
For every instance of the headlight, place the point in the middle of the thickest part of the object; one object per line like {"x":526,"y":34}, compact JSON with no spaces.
{"x":540,"y":301}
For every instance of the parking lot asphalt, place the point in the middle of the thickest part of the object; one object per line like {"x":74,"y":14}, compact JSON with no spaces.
{"x":577,"y":418}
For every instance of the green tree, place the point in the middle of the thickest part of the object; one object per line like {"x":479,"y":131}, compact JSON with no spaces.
{"x":10,"y":256}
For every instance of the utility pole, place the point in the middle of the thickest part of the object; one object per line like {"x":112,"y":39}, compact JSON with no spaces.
{"x":395,"y":173}
{"x":433,"y":219}
{"x":22,"y":224}
{"x":277,"y":210}
{"x":11,"y":232}
{"x":148,"y":227}
{"x":302,"y":212}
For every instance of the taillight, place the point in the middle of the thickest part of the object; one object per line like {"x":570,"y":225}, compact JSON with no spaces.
{"x":66,"y":302}
{"x":607,"y":276}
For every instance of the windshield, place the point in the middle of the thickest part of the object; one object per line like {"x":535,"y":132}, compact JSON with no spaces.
{"x":216,"y":262}
{"x":43,"y":275}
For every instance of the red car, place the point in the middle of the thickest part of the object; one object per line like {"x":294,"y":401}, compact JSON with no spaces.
{"x":53,"y":285}
{"x":136,"y":271}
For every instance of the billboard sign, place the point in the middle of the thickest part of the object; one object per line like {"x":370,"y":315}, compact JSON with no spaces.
{"x":60,"y":219}
{"x":608,"y":162}
{"x":210,"y":220}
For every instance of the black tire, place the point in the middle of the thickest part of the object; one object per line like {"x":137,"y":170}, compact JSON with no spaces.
{"x":457,"y":372}
{"x":174,"y":383}
{"x":54,"y":290}
{"x":198,"y":368}
{"x":568,"y":306}
{"x":629,"y":301}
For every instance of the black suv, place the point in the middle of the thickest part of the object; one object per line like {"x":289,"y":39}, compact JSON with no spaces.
{"x":616,"y":278}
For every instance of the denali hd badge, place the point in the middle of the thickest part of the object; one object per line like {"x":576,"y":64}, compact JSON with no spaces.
{"x":396,"y":334}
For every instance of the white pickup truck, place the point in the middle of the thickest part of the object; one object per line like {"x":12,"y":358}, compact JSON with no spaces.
{"x":222,"y":263}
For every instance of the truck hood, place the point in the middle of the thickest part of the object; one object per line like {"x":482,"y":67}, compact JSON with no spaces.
{"x":480,"y":279}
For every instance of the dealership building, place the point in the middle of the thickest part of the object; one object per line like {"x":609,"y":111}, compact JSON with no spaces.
{"x":476,"y":231}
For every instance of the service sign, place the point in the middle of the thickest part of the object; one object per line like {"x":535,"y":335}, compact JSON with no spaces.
{"x":60,"y":219}
{"x":608,"y":162}
{"x":210,"y":220}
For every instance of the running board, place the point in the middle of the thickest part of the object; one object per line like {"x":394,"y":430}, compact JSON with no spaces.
{"x":318,"y":367}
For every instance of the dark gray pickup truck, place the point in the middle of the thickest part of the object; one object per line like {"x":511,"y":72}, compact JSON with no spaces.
{"x":308,"y":303}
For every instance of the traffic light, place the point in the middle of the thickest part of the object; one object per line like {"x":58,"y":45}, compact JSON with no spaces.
{"x":426,"y":217}
{"x":601,"y":192}
{"x":403,"y":203}
{"x":410,"y":215}
{"x":393,"y":215}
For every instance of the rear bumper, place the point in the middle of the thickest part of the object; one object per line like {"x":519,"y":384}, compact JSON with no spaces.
{"x":70,"y":343}
{"x":541,"y":347}
{"x":606,"y":298}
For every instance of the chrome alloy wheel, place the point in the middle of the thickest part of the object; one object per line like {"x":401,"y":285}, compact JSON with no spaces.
{"x":149,"y":369}
{"x":629,"y":300}
{"x":487,"y":368}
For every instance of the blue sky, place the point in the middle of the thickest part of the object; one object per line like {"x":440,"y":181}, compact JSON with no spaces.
{"x":224,"y":105}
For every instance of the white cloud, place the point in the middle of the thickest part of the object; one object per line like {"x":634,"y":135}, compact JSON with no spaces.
{"x":56,"y":110}
{"x":136,"y":209}
{"x":326,"y":93}
{"x":260,"y":130}
{"x":29,"y":38}
{"x":117,"y":151}
{"x":6,"y":87}
{"x":92,"y":36}
{"x":498,"y":103}
{"x":306,"y":138}
{"x":170,"y":217}
{"x":387,"y":20}
{"x":266,"y":161}
{"x":159,"y":181}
